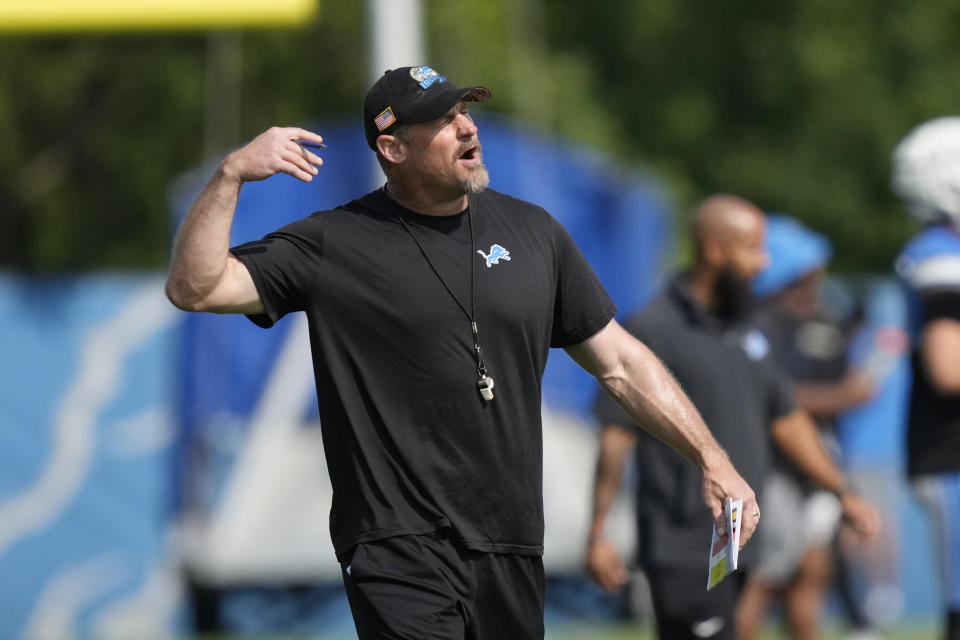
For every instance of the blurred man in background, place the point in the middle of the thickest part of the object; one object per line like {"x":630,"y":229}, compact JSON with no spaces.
{"x":703,"y":328}
{"x":926,"y":174}
{"x":437,"y":516}
{"x":810,"y":346}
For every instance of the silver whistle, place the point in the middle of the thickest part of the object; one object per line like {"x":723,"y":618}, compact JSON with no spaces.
{"x":485,"y":384}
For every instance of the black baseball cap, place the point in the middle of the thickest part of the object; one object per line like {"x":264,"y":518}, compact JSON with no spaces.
{"x":411,"y":94}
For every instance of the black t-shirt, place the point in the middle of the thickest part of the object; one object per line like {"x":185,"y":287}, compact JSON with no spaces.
{"x":929,"y":268}
{"x":933,"y":438}
{"x":728,"y":372}
{"x":410,"y":444}
{"x":812,"y":351}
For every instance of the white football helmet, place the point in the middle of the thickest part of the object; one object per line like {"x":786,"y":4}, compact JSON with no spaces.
{"x":926,"y":170}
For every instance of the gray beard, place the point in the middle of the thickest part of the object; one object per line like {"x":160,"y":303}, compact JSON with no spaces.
{"x":476,"y":181}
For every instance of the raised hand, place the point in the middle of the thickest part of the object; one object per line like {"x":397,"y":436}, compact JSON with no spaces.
{"x":274,"y":151}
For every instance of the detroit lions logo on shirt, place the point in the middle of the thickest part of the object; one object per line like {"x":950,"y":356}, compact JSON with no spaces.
{"x":497,"y":253}
{"x":755,"y":344}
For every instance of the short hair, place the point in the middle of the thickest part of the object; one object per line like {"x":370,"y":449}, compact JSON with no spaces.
{"x":402,"y":132}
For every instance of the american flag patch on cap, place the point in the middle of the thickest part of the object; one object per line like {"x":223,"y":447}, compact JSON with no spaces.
{"x":385,"y":119}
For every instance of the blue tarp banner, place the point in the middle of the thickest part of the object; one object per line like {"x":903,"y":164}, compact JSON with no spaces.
{"x":86,"y":442}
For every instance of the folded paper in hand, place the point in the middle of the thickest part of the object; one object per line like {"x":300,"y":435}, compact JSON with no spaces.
{"x":725,"y":549}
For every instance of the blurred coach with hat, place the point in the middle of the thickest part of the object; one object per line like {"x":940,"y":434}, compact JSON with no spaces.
{"x":810,"y":345}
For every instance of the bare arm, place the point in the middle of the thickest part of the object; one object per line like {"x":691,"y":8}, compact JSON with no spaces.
{"x":603,"y":561}
{"x":203,"y":275}
{"x":796,"y":436}
{"x":940,"y":351}
{"x":829,"y":400}
{"x":639,"y":382}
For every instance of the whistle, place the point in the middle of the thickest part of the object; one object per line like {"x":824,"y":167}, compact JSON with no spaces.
{"x":485,"y":384}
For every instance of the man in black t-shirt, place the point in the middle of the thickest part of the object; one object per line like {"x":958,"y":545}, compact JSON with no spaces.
{"x":702,"y":329}
{"x":926,"y":173}
{"x":431,"y":306}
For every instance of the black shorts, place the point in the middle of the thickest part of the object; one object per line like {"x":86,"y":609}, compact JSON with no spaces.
{"x":422,"y":587}
{"x":685,"y":610}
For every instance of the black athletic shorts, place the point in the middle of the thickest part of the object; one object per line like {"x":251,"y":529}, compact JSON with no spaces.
{"x":685,"y":610}
{"x":422,"y":587}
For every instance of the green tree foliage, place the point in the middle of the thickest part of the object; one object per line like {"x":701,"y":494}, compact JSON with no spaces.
{"x":95,"y":128}
{"x":795,"y":105}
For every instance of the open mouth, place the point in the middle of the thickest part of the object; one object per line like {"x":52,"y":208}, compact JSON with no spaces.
{"x":471,"y":153}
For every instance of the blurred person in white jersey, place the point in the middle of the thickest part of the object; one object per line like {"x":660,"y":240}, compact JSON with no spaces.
{"x":926,"y":174}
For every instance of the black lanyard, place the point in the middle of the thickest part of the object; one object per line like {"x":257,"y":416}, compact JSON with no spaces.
{"x":484,"y":381}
